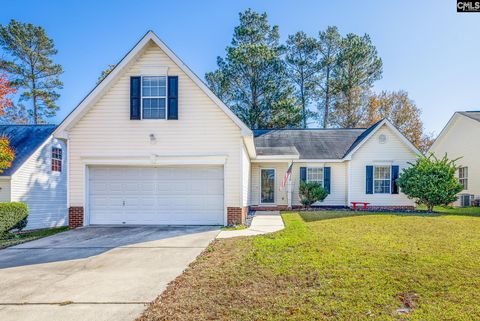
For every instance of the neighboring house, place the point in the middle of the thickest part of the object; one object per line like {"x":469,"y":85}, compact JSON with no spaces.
{"x":37,"y":175}
{"x":459,"y":140}
{"x":151,"y":144}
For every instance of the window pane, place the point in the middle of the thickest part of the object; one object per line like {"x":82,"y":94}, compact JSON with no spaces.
{"x":154,"y":86}
{"x":154,"y":108}
{"x":315,"y":174}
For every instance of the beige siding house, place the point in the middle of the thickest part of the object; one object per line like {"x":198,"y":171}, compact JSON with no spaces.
{"x":151,"y":144}
{"x":459,"y":140}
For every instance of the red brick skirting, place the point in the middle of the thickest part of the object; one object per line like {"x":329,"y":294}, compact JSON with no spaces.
{"x":75,"y":216}
{"x":236,"y":215}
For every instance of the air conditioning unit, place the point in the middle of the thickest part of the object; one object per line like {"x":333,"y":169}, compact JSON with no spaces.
{"x":466,"y":200}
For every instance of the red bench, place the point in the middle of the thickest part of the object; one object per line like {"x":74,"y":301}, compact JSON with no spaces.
{"x":361,"y":203}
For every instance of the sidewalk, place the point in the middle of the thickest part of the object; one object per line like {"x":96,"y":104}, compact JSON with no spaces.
{"x":263,"y":222}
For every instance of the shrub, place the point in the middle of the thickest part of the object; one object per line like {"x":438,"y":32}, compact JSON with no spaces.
{"x":431,"y":181}
{"x":311,"y":192}
{"x":12,"y":215}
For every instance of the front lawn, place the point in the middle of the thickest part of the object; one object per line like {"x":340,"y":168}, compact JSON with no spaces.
{"x":18,"y":238}
{"x":346,"y":268}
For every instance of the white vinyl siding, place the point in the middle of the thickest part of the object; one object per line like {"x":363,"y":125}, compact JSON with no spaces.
{"x":392,"y":152}
{"x":458,"y":141}
{"x":44,"y":190}
{"x":5,"y":190}
{"x":202,"y":129}
{"x":338,"y":181}
{"x":246,"y":177}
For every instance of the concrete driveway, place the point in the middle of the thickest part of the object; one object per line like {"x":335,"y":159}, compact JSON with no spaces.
{"x":95,"y":273}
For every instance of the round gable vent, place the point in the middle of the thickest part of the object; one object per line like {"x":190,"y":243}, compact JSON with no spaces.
{"x":382,"y":138}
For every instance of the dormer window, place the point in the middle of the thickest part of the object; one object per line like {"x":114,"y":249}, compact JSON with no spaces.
{"x":154,"y":97}
{"x":56,"y":159}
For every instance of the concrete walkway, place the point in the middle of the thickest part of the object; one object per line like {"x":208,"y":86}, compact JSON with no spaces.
{"x":263,"y":222}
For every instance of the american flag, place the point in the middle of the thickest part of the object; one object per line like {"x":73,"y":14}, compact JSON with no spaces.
{"x":286,"y":176}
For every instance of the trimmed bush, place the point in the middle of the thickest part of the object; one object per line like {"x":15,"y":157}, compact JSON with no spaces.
{"x":12,"y":215}
{"x":431,"y":181}
{"x":311,"y":192}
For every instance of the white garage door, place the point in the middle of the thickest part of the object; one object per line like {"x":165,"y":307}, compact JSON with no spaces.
{"x":163,"y":195}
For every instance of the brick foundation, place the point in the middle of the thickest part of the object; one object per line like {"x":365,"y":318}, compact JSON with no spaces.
{"x":236,"y":215}
{"x":75,"y":216}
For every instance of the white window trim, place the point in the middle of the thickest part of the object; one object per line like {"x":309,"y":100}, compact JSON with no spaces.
{"x":463,"y":180}
{"x":54,"y":158}
{"x":322,"y":183}
{"x":274,"y":186}
{"x":166,"y":97}
{"x":374,"y":179}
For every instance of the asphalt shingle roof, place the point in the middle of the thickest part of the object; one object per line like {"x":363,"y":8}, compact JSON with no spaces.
{"x":24,"y":139}
{"x":332,"y":143}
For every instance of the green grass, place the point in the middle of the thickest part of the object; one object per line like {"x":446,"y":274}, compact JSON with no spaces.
{"x":18,"y":238}
{"x":341,"y":268}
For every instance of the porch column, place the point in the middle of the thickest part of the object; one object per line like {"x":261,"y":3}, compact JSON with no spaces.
{"x":289,"y":188}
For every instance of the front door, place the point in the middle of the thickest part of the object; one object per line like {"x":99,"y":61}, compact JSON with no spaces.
{"x":267,"y":186}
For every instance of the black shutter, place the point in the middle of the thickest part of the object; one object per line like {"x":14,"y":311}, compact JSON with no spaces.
{"x":303,"y":174}
{"x":135,"y":86}
{"x":326,"y":179}
{"x":172,"y":97}
{"x":395,"y":172}
{"x":369,"y":180}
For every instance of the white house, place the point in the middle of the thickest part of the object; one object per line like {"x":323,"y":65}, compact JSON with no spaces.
{"x":459,"y":140}
{"x":151,"y":144}
{"x":37,"y":175}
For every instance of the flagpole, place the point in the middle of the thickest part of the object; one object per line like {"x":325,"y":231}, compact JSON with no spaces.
{"x":289,"y":187}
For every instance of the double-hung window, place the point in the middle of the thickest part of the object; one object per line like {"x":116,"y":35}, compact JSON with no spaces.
{"x":154,"y":97}
{"x":382,"y":179}
{"x":56,"y":159}
{"x":463,"y":177}
{"x":315,"y":174}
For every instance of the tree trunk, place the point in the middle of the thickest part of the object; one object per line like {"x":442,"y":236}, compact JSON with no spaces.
{"x":429,"y":208}
{"x":327,"y":100}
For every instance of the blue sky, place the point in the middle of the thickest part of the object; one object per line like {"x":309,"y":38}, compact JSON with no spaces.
{"x":427,"y":48}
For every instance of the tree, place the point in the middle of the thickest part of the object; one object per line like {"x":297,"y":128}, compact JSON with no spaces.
{"x":302,"y":66}
{"x":311,"y":192}
{"x":31,"y":67}
{"x":401,"y":111}
{"x":105,"y":73}
{"x":358,"y":68}
{"x":7,"y":154}
{"x":252,"y":79}
{"x":5,"y":93}
{"x":329,"y":44}
{"x":431,"y":181}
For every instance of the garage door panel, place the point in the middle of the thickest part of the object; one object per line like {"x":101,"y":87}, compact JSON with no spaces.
{"x":162,"y":195}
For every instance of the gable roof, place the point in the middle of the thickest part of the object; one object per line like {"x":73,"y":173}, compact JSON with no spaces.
{"x":25,"y":140}
{"x":473,"y":114}
{"x":82,"y":108}
{"x":321,"y":144}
